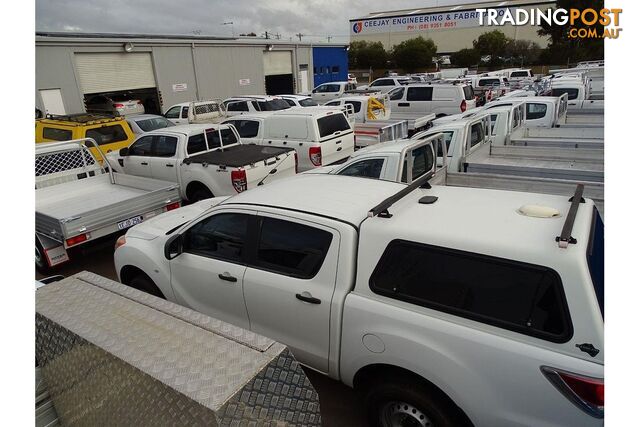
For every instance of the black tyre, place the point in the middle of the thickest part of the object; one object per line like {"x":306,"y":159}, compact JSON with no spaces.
{"x":41,"y":259}
{"x":143,"y":283}
{"x":200,"y":194}
{"x":408,"y":403}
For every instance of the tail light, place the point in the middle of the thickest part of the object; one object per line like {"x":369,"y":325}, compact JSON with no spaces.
{"x":172,"y":206}
{"x":118,"y":105}
{"x":295,"y":158}
{"x":586,"y":393}
{"x":463,"y":106}
{"x":315,"y":155}
{"x":239,"y":180}
{"x":72,"y":241}
{"x":122,"y":240}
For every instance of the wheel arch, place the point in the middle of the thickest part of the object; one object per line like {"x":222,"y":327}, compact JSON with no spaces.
{"x":369,"y":374}
{"x":129,"y":272}
{"x":193,"y":187}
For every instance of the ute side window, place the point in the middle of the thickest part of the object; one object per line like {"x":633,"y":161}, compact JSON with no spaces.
{"x":477,"y":135}
{"x":107,"y":134}
{"x":142,"y":147}
{"x":196,"y":144}
{"x":219,"y":236}
{"x":370,"y":168}
{"x":536,"y":111}
{"x":173,"y":113}
{"x":56,"y":134}
{"x":291,"y":248}
{"x":524,"y":298}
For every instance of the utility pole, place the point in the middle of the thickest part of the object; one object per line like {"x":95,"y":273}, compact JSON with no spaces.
{"x":329,"y":39}
{"x":300,"y":36}
{"x":266,"y":34}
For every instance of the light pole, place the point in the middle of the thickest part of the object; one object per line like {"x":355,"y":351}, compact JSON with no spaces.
{"x":233,"y":34}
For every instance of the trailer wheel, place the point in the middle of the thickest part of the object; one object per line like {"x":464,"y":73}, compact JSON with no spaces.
{"x":41,"y":259}
{"x":143,"y":283}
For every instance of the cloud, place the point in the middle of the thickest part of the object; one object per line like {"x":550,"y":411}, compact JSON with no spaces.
{"x":316,"y":19}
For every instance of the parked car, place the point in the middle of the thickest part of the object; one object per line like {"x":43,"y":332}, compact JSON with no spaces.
{"x":78,"y":201}
{"x":196,"y":112}
{"x":299,"y":100}
{"x":385,"y":84}
{"x":110,"y":132}
{"x":439,"y":99}
{"x":147,"y":122}
{"x":117,"y":104}
{"x":251,"y":104}
{"x":328,"y":91}
{"x":204,"y":159}
{"x":435,"y":315}
{"x":320,"y":135}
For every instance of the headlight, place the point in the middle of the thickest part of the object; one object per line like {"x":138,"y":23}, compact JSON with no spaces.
{"x":121,"y":241}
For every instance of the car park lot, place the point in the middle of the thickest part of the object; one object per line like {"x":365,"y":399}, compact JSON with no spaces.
{"x":273,"y":221}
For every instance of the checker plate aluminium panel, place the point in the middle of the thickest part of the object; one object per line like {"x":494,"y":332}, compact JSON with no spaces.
{"x":111,"y":355}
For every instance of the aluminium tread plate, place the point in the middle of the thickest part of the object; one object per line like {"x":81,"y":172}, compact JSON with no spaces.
{"x":111,"y":359}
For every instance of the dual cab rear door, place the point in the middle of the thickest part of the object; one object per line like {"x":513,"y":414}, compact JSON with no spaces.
{"x":272,"y":274}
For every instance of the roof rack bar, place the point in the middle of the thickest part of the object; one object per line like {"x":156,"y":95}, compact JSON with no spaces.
{"x":564,"y":239}
{"x":382,"y":208}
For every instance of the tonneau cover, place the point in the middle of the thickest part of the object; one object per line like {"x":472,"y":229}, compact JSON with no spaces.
{"x":238,"y":155}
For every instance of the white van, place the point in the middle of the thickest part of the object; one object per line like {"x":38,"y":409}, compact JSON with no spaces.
{"x":439,"y":99}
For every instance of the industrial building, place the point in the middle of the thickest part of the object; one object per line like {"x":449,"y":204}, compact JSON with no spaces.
{"x":450,"y":27}
{"x":165,"y":70}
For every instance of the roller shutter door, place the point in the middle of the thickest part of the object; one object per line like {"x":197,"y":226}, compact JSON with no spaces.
{"x":111,"y":72}
{"x":276,"y":63}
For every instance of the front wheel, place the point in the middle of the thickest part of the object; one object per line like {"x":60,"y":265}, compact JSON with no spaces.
{"x":200,"y":194}
{"x":408,"y":404}
{"x":143,"y":283}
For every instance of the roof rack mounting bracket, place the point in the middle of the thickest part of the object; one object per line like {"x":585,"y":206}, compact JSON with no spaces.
{"x":565,"y":239}
{"x":382,"y":209}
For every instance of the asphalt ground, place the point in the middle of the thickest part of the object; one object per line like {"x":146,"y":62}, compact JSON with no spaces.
{"x":339,"y":404}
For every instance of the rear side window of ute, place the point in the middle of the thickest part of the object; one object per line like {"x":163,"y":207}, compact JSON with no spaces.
{"x":520,"y":297}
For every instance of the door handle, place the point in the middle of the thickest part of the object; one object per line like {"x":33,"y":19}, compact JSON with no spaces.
{"x":169,"y":165}
{"x":306,"y":297}
{"x":144,"y":163}
{"x":403,"y":104}
{"x":227,"y":277}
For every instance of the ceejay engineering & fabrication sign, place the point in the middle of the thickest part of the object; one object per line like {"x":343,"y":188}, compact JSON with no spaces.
{"x":427,"y":21}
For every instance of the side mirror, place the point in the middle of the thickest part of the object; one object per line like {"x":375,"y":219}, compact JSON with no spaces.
{"x":173,"y":247}
{"x":124,"y":152}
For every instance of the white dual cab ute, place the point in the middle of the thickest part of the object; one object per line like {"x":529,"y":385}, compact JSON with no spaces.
{"x":319,"y":135}
{"x":437,"y":316}
{"x":254,"y":103}
{"x":205,"y":160}
{"x":375,"y":121}
{"x":78,"y":201}
{"x":212,"y":111}
{"x":330,"y":90}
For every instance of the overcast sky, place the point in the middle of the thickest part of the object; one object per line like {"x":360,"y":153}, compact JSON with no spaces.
{"x":316,"y":19}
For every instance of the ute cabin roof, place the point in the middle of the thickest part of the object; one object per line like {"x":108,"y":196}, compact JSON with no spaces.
{"x":460,"y":218}
{"x":188,"y":130}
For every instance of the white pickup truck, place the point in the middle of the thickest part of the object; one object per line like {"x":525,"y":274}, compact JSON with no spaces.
{"x":78,"y":201}
{"x":537,"y":164}
{"x":421,"y":299}
{"x":580,"y":100}
{"x":212,"y":111}
{"x":320,"y":135}
{"x":376,"y":121}
{"x":205,"y":160}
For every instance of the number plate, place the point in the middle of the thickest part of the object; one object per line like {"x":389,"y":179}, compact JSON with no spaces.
{"x":130,"y":222}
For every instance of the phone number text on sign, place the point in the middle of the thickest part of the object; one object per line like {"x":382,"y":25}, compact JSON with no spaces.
{"x":435,"y":25}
